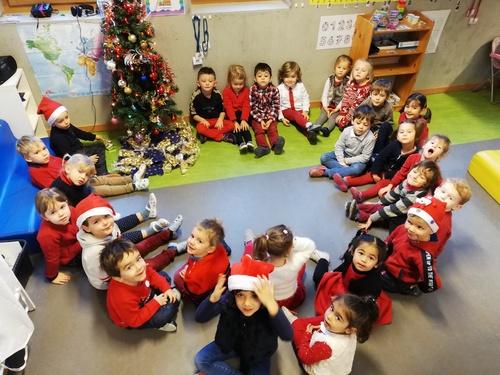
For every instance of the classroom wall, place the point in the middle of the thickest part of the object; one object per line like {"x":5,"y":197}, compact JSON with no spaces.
{"x":275,"y":36}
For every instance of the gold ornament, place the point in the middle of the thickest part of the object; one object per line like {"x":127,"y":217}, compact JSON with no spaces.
{"x":127,"y":90}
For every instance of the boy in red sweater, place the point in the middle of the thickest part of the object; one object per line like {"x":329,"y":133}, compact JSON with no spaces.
{"x":410,"y":269}
{"x":138,"y":296}
{"x":207,"y":259}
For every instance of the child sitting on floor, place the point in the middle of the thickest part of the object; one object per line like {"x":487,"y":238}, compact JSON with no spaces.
{"x":65,"y":138}
{"x":95,"y":219}
{"x":207,"y":260}
{"x":45,"y":168}
{"x":326,"y":344}
{"x":138,"y":296}
{"x":393,"y":206}
{"x":352,"y":150}
{"x":207,"y":109}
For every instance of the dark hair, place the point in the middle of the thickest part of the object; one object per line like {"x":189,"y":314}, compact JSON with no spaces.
{"x":113,"y":253}
{"x":422,"y":101}
{"x":384,"y":250}
{"x":262,"y":67}
{"x":381,"y":85}
{"x":419,"y":129}
{"x":431,"y":171}
{"x":47,"y":198}
{"x":276,"y":242}
{"x":206,"y":70}
{"x":361,"y":312}
{"x":364,"y":112}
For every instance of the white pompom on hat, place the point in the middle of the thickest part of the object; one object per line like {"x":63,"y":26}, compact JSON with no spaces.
{"x":50,"y":109}
{"x":244,"y":274}
{"x":93,"y":205}
{"x":429,"y":209}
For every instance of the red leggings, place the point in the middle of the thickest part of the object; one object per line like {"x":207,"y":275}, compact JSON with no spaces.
{"x":365,"y":179}
{"x":212,"y":132}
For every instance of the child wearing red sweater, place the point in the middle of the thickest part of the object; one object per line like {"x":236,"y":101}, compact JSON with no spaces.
{"x":138,"y":296}
{"x":207,"y":260}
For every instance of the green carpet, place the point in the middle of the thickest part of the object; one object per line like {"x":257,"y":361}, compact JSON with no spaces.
{"x":463,"y":116}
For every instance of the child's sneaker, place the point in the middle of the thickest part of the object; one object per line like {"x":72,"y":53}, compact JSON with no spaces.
{"x":243,"y":148}
{"x":139,"y":175}
{"x":325,"y":132}
{"x":151,"y":207}
{"x":229,"y":138}
{"x":356,"y":195}
{"x":159,"y":225}
{"x":176,"y":224}
{"x":16,"y":362}
{"x":141,"y":184}
{"x":169,"y":327}
{"x":226,"y":247}
{"x":312,"y":137}
{"x":316,"y":255}
{"x":261,"y":151}
{"x":278,"y":146}
{"x":347,"y":208}
{"x":180,"y":247}
{"x":313,"y":127}
{"x":353,"y":213}
{"x":250,"y":146}
{"x":317,"y":171}
{"x":248,"y":236}
{"x":341,"y":182}
{"x":202,"y":137}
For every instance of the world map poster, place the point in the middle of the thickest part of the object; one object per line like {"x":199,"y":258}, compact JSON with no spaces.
{"x":66,"y":58}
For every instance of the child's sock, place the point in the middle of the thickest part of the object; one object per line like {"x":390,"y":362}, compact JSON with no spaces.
{"x":157,"y":226}
{"x":149,"y":211}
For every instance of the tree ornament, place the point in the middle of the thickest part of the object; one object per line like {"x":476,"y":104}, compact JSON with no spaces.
{"x":129,"y":133}
{"x":160,"y":90}
{"x":110,"y":65}
{"x":173,"y":117}
{"x":127,"y":90}
{"x":133,"y":108}
{"x":138,"y":137}
{"x":153,"y":76}
{"x":144,"y":78}
{"x":144,"y":44}
{"x":114,"y":120}
{"x":122,"y":83}
{"x":132,"y":38}
{"x":156,"y":131}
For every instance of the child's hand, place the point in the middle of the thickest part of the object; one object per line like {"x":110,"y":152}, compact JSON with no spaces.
{"x":99,"y":138}
{"x":264,"y":289}
{"x":339,"y":118}
{"x":310,"y":328}
{"x":170,"y":295}
{"x":376,"y":177}
{"x":161,"y":299}
{"x":219,"y":289}
{"x":182,"y":274}
{"x":61,"y":279}
{"x":285,"y":121}
{"x":305,"y":114}
{"x":384,"y":190}
{"x":205,"y":122}
{"x":366,"y":225}
{"x":244,"y":125}
{"x":219,"y":124}
{"x":237,"y":127}
{"x":94,"y":158}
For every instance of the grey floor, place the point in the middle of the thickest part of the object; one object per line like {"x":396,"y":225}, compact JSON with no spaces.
{"x":455,"y":330}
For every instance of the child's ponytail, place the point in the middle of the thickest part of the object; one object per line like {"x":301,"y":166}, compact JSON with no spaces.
{"x":276,"y":242}
{"x":363,"y":313}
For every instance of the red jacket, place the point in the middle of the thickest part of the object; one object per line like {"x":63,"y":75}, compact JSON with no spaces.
{"x":233,"y":103}
{"x":42,"y":175}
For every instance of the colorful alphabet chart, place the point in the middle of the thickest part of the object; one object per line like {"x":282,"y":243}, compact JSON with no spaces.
{"x":336,"y":31}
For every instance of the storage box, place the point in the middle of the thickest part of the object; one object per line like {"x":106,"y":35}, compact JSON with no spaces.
{"x":384,"y":44}
{"x":402,"y":41}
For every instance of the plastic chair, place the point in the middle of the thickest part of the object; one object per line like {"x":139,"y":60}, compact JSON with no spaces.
{"x":495,"y":70}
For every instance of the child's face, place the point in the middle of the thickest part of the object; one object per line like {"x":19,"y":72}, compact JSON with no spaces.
{"x":406,"y":133}
{"x":290,"y":79}
{"x":448,"y":194}
{"x":206,"y":83}
{"x":379,"y":98}
{"x":416,"y":178}
{"x":336,"y":319}
{"x":198,"y":243}
{"x":360,"y":72}
{"x":237,"y":85}
{"x":101,"y":226}
{"x":413,"y":110}
{"x":433,"y":149}
{"x":365,"y":257}
{"x":38,"y":154}
{"x":63,"y":121}
{"x":76,"y":175}
{"x":360,"y":126}
{"x":341,"y":69}
{"x":58,"y":214}
{"x":132,"y":269}
{"x":417,"y":228}
{"x":247,"y":302}
{"x":262,"y":79}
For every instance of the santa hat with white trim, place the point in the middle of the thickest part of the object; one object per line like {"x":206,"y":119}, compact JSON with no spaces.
{"x":50,"y":109}
{"x":93,"y":205}
{"x":244,"y":274}
{"x":429,"y":209}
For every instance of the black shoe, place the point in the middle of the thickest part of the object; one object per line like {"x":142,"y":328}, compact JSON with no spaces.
{"x":229,"y":138}
{"x":261,"y":151}
{"x":325,"y":132}
{"x":278,"y":146}
{"x":250,"y":146}
{"x":312,"y":137}
{"x":203,"y":138}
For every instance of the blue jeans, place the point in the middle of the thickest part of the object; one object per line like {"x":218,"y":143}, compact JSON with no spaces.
{"x":165,"y":313}
{"x":329,"y":160}
{"x":211,"y":361}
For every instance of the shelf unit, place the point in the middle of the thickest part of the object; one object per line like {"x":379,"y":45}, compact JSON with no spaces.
{"x":401,"y":66}
{"x":20,"y":113}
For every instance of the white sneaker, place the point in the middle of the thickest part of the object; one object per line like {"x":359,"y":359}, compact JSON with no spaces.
{"x":169,"y":327}
{"x":249,"y":236}
{"x":180,"y":247}
{"x":177,"y":293}
{"x":160,"y":224}
{"x":317,"y":255}
{"x":139,"y":175}
{"x":141,"y":184}
{"x":291,"y":318}
{"x":176,"y":224}
{"x":151,"y":207}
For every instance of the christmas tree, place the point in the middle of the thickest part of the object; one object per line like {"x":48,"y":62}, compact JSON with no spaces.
{"x":142,"y":92}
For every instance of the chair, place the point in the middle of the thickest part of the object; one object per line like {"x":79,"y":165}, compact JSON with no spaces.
{"x":495,"y":70}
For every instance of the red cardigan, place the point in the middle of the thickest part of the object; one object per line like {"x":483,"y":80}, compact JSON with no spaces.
{"x":233,"y":103}
{"x":42,"y":175}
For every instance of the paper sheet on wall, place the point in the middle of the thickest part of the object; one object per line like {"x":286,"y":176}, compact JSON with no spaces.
{"x":439,"y":17}
{"x":336,"y":31}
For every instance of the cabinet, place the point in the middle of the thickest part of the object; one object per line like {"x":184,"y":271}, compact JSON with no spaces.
{"x":400,"y":66}
{"x":19,"y":107}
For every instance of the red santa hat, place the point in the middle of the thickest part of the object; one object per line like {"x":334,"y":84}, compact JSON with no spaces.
{"x":429,"y":209}
{"x":93,"y":205}
{"x":50,"y":109}
{"x":244,"y":274}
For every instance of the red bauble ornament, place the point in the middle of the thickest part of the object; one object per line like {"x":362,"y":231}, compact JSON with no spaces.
{"x":115,"y":120}
{"x":173,"y":117}
{"x":129,"y":8}
{"x":156,"y":131}
{"x":153,"y":76}
{"x":160,"y":90}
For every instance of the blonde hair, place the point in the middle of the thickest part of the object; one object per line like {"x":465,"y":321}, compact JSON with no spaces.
{"x":462,"y":187}
{"x":47,"y":198}
{"x":236,"y":71}
{"x":370,"y":69}
{"x":26,"y":144}
{"x":214,"y":230}
{"x":79,"y":161}
{"x":287,"y":68}
{"x":341,"y":59}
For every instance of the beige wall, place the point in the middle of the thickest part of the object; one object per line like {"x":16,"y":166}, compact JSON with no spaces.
{"x":276,"y":36}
